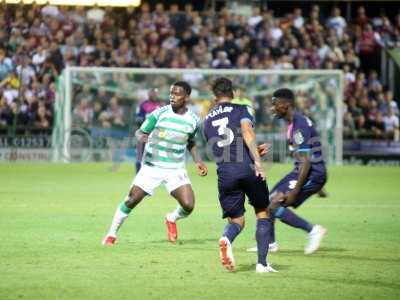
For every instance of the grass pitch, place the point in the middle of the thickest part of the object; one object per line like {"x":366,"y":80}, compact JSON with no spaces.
{"x":54,"y":216}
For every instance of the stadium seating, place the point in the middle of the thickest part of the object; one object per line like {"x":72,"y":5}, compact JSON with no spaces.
{"x":36,"y":42}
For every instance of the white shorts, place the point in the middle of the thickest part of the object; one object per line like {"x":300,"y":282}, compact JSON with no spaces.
{"x":149,"y":178}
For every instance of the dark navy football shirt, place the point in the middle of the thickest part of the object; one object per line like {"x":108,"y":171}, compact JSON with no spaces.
{"x":303,"y":137}
{"x":222,"y":130}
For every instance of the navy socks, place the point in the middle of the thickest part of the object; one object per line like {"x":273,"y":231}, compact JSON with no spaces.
{"x":231,"y":231}
{"x":263,"y":233}
{"x":290,"y":218}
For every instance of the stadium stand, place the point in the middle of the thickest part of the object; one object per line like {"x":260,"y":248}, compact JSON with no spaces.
{"x":36,"y":42}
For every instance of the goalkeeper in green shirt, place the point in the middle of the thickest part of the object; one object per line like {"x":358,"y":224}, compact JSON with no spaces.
{"x":241,"y":99}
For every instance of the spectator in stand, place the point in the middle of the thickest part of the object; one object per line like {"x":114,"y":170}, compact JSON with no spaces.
{"x":298,"y":20}
{"x":25,"y":71}
{"x":84,"y":93}
{"x":221,"y":61}
{"x":349,"y":126}
{"x":337,"y":22}
{"x":361,"y":18}
{"x":367,"y":46}
{"x":115,"y":113}
{"x":348,"y":75}
{"x":15,"y":117}
{"x":3,"y":112}
{"x":97,"y":113}
{"x":255,"y":18}
{"x":388,"y":95}
{"x":6,"y":64}
{"x":83,"y":114}
{"x":43,"y":118}
{"x":377,"y":126}
{"x":391,"y":122}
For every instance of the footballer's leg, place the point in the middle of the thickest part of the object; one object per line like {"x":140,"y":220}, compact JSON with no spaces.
{"x":274,"y":202}
{"x":273,"y":244}
{"x":231,"y":231}
{"x":315,"y":238}
{"x":263,"y":233}
{"x":143,"y":184}
{"x":287,"y":216}
{"x":178,"y":184}
{"x":315,"y":232}
{"x":136,"y":194}
{"x":257,"y":191}
{"x":275,"y":195}
{"x":277,"y":208}
{"x":185,"y":197}
{"x":231,"y":198}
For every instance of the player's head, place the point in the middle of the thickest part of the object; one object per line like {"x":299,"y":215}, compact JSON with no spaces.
{"x":179,"y":94}
{"x":239,"y":92}
{"x":222,"y":87}
{"x":282,"y":102}
{"x":152,"y":94}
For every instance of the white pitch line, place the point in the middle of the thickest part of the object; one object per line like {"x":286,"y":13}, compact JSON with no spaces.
{"x":385,"y":206}
{"x":395,"y":205}
{"x":356,"y":206}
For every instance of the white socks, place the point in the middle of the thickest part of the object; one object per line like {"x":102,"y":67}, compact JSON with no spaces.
{"x":178,"y":213}
{"x":120,"y":215}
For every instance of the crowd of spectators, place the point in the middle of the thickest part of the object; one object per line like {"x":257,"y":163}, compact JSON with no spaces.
{"x":370,"y":111}
{"x":36,"y":42}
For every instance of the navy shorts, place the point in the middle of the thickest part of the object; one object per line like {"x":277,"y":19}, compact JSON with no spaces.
{"x":310,"y":187}
{"x":234,"y":185}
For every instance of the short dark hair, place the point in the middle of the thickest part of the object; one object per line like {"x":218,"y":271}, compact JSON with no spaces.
{"x":186,"y":86}
{"x":222,"y":86}
{"x":285,"y":94}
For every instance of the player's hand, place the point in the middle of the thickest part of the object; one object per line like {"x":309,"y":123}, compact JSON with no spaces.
{"x":290,"y":197}
{"x":322,"y":193}
{"x":201,"y":168}
{"x":141,"y":136}
{"x":144,"y":138}
{"x":263,"y":149}
{"x":276,"y":201}
{"x":259,"y":170}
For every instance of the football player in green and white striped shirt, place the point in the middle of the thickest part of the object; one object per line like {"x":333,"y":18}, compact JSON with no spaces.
{"x":168,"y":132}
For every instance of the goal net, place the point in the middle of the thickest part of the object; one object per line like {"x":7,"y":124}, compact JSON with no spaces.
{"x":95,"y":111}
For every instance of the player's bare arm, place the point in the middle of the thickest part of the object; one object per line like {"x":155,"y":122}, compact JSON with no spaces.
{"x":200,"y":165}
{"x":305,"y":166}
{"x":250,"y":139}
{"x":141,"y":136}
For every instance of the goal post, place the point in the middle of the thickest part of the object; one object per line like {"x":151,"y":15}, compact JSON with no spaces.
{"x":319,"y":94}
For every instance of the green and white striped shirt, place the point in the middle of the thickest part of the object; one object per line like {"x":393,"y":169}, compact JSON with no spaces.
{"x":169,"y":134}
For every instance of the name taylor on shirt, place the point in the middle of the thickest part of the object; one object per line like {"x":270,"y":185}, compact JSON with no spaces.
{"x":219,"y":110}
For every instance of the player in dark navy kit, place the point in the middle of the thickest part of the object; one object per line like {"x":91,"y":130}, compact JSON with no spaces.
{"x":309,"y":174}
{"x":228,"y":129}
